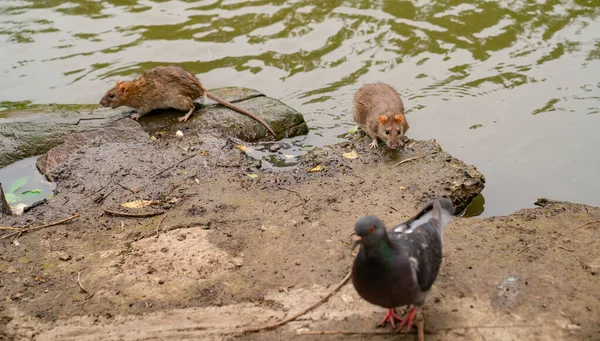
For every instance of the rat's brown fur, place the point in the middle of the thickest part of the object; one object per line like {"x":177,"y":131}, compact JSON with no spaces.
{"x":379,"y":112}
{"x":165,"y":87}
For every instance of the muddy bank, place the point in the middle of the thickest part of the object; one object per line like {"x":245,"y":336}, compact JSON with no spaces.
{"x":33,"y":131}
{"x":236,"y":244}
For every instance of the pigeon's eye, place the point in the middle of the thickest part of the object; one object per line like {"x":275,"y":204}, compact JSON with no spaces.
{"x":372,"y":229}
{"x":387,"y":132}
{"x":111,"y":95}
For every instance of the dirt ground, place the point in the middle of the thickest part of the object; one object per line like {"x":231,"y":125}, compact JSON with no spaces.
{"x":233,"y":252}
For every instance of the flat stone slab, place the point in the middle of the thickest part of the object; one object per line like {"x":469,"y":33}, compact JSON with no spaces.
{"x":33,"y":131}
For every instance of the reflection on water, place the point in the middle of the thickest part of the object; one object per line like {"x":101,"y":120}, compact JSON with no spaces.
{"x":524,"y":72}
{"x":476,"y":207}
{"x":23,"y":184}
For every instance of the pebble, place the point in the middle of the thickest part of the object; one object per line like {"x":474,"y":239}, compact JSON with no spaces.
{"x":275,"y":147}
{"x":64,"y":256}
{"x":239,"y":262}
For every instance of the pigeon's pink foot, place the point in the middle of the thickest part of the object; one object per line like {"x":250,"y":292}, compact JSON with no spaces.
{"x":392,"y":317}
{"x":373,"y":143}
{"x":409,"y":319}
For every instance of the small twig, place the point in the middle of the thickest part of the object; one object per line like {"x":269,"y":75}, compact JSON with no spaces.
{"x":293,"y":317}
{"x":564,"y":248}
{"x":173,"y":165}
{"x":3,"y":228}
{"x":125,"y":188}
{"x":345,"y":332}
{"x":101,"y":198}
{"x":588,"y":223}
{"x":420,"y":330}
{"x":224,"y":166}
{"x":158,"y":226}
{"x":393,"y":332}
{"x":79,"y":282}
{"x":360,"y":158}
{"x":411,"y":159}
{"x":39,"y":227}
{"x":523,"y":250}
{"x":393,"y":208}
{"x":134,"y":215}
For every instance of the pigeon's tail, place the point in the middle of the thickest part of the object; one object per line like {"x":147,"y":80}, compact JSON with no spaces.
{"x":442,"y":211}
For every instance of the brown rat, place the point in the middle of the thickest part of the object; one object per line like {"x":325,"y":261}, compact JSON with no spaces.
{"x":165,"y":87}
{"x":379,"y":112}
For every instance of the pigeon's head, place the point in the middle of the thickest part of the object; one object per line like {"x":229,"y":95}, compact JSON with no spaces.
{"x":369,"y":231}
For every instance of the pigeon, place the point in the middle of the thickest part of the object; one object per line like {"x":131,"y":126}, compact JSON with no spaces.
{"x":397,"y":267}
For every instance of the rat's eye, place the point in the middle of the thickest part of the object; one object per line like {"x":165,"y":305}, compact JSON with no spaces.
{"x":399,"y":131}
{"x":387,"y":132}
{"x":111,"y":95}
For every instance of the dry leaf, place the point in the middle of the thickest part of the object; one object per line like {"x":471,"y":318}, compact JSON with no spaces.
{"x":316,"y":169}
{"x":204,"y":152}
{"x":241,"y":147}
{"x":252,"y":176}
{"x":351,"y":155}
{"x":139,"y":203}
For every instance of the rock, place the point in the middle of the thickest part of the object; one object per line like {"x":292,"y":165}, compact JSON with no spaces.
{"x":4,"y":206}
{"x":37,"y":129}
{"x":64,"y":256}
{"x":433,"y":174}
{"x":123,"y":131}
{"x":238,"y":262}
{"x":275,"y":147}
{"x":215,"y":118}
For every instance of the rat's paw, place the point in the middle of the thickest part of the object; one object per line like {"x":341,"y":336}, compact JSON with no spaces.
{"x":373,"y":144}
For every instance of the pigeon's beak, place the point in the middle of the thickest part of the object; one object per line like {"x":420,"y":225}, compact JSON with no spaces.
{"x":357,"y":240}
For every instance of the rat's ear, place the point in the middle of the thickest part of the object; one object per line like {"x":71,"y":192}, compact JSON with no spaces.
{"x":382,"y":119}
{"x":399,"y":118}
{"x":118,"y":83}
{"x":123,"y":87}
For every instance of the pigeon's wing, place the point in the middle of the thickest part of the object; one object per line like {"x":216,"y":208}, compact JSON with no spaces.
{"x":424,"y":249}
{"x":421,"y":239}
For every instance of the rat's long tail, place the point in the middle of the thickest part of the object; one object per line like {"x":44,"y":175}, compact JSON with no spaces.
{"x":240,"y":110}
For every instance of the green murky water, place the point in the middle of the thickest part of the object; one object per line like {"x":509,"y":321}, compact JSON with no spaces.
{"x":510,"y":86}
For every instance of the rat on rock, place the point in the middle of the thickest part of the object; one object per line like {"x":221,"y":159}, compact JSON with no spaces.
{"x":165,"y":87}
{"x":379,"y":112}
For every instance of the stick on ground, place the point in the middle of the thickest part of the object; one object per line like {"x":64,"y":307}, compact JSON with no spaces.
{"x":345,"y":332}
{"x":39,"y":227}
{"x":588,"y":223}
{"x":79,"y":282}
{"x":173,"y":165}
{"x":134,"y":215}
{"x":293,"y":317}
{"x":411,"y":159}
{"x":158,"y":226}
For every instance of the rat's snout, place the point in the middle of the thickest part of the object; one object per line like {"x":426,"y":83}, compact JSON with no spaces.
{"x":393,"y":144}
{"x":104,"y":103}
